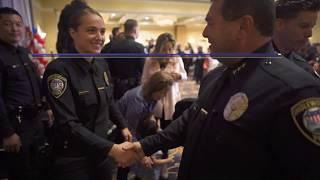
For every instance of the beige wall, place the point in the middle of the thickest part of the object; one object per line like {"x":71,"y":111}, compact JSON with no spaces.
{"x":46,"y":19}
{"x":316,"y":32}
{"x":46,"y":16}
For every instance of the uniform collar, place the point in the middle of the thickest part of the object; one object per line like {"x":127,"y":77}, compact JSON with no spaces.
{"x":278,"y":50}
{"x":85,"y":66}
{"x":250,"y":63}
{"x":9,"y":47}
{"x":129,"y":37}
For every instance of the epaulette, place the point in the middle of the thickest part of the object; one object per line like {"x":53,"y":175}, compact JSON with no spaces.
{"x":288,"y":73}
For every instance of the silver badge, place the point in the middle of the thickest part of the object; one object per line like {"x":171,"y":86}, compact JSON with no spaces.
{"x":236,"y":106}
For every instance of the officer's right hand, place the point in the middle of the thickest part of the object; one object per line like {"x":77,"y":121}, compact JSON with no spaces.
{"x":12,"y":143}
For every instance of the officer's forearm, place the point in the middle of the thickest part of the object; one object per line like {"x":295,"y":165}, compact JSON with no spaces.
{"x":173,"y":136}
{"x":93,"y":141}
{"x":117,"y":117}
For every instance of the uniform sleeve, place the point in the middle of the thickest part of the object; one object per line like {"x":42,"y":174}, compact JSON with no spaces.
{"x":295,"y":138}
{"x":6,"y":128}
{"x":171,"y":137}
{"x":59,"y":94}
{"x":116,"y":116}
{"x":122,"y":103}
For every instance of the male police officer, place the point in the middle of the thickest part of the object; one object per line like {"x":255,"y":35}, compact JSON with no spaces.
{"x":20,"y":101}
{"x":241,"y":127}
{"x":126,"y":72}
{"x":294,"y":23}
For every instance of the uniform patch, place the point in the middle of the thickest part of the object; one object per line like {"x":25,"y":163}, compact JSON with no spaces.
{"x":236,"y":106}
{"x":57,"y":85}
{"x":306,"y":116}
{"x":106,"y":78}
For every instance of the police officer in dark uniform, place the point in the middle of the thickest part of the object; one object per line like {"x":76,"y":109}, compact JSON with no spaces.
{"x":259,"y":119}
{"x":126,"y":72}
{"x":20,"y":102}
{"x":80,"y":95}
{"x":294,"y":23}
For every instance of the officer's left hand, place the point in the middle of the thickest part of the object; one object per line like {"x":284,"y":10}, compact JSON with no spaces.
{"x":126,"y":134}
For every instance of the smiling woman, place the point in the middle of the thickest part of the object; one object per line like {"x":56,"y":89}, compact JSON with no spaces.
{"x":79,"y":92}
{"x":80,"y":27}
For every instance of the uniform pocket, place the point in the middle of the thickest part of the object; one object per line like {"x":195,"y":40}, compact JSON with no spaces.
{"x":16,"y":72}
{"x":88,"y":98}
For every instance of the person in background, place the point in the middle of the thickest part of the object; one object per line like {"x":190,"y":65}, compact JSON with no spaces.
{"x":126,"y":72}
{"x":79,"y":92}
{"x":199,"y":65}
{"x":22,"y":104}
{"x":188,"y":60}
{"x":293,"y":28}
{"x":258,"y":119}
{"x":140,"y":101}
{"x":137,"y":103}
{"x":150,"y":46}
{"x":113,"y":37}
{"x":150,"y":167}
{"x":172,"y":64}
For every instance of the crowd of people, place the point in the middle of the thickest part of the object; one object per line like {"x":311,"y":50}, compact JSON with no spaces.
{"x":255,"y":117}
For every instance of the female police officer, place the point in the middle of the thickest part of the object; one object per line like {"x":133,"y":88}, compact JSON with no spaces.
{"x":78,"y":91}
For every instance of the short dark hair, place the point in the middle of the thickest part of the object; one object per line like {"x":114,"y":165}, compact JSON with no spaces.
{"x":70,"y":18}
{"x":114,"y":31}
{"x":287,"y":9}
{"x":8,"y":10}
{"x":262,"y":11}
{"x":129,"y":25}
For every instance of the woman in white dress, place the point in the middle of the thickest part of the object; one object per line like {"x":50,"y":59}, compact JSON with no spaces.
{"x":172,"y":64}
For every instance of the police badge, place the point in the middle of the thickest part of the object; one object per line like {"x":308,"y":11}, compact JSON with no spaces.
{"x":237,"y":105}
{"x":57,"y":85}
{"x":306,"y":116}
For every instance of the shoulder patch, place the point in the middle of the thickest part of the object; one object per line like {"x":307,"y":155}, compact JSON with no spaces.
{"x":306,"y":116}
{"x":57,"y":85}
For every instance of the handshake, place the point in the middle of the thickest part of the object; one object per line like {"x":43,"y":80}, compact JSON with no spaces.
{"x":127,"y":153}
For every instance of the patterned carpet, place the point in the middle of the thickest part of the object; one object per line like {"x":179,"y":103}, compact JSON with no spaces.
{"x":187,"y":89}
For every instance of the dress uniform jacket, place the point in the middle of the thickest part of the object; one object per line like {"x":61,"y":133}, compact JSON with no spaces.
{"x":80,"y":95}
{"x":125,"y":72}
{"x":261,"y":123}
{"x":19,"y":86}
{"x":299,"y":61}
{"x":21,"y":110}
